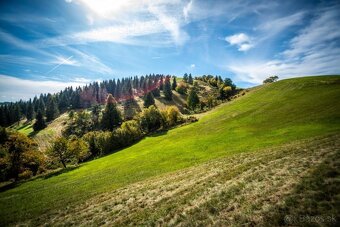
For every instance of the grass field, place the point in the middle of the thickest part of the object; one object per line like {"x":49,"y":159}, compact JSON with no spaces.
{"x":268,"y":116}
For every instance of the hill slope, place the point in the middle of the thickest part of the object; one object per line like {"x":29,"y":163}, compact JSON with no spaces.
{"x":268,"y":116}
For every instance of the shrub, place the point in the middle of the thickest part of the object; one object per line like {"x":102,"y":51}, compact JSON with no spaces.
{"x":26,"y":174}
{"x":182,"y":88}
{"x":193,"y":99}
{"x":79,"y":149}
{"x":172,"y":115}
{"x":79,"y":124}
{"x":151,"y":119}
{"x":95,"y":142}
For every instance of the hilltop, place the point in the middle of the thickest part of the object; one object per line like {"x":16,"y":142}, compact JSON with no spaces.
{"x":289,"y":128}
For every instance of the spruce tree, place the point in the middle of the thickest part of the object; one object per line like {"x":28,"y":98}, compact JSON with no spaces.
{"x":149,"y":100}
{"x":52,"y":110}
{"x":30,"y":111}
{"x":174,"y":84}
{"x":156,"y":92}
{"x":111,"y":115}
{"x":190,"y":80}
{"x":39,"y":122}
{"x":192,"y":99}
{"x":167,"y":89}
{"x":185,"y":78}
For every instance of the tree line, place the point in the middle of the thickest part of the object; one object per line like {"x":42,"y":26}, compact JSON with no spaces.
{"x":51,"y":105}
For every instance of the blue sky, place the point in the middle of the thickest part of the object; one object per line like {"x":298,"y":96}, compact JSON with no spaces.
{"x":47,"y":45}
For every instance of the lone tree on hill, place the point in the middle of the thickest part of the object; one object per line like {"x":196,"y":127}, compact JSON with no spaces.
{"x":149,"y":100}
{"x":185,"y":78}
{"x":174,"y":84}
{"x":167,"y":89}
{"x":190,"y":79}
{"x":271,"y":79}
{"x":111,"y":115}
{"x":39,"y":122}
{"x":193,"y":99}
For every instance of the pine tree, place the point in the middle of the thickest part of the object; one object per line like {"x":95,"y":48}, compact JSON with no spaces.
{"x":190,"y":80}
{"x":111,"y":115}
{"x":174,"y":84}
{"x":185,"y":78}
{"x":167,"y":89}
{"x":52,"y":110}
{"x":149,"y":100}
{"x":42,"y":106}
{"x":30,"y":111}
{"x":16,"y":113}
{"x":39,"y":122}
{"x":156,"y":92}
{"x":192,"y":99}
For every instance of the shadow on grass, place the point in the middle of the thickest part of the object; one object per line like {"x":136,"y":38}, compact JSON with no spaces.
{"x":314,"y":201}
{"x":58,"y":172}
{"x":33,"y":133}
{"x":158,"y":133}
{"x":23,"y":126}
{"x":53,"y":173}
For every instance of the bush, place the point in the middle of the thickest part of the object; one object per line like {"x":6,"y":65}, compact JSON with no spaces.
{"x":193,"y":100}
{"x":79,"y":124}
{"x":151,"y":119}
{"x":172,"y":115}
{"x":26,"y":174}
{"x":96,"y":141}
{"x":79,"y":149}
{"x":182,"y":88}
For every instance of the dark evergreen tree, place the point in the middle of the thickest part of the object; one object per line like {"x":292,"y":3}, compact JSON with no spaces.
{"x":42,"y":106}
{"x":190,"y":80}
{"x":30,"y":111}
{"x":16,"y":113}
{"x":149,"y":100}
{"x":52,"y":110}
{"x":167,"y":89}
{"x":185,"y":78}
{"x":174,"y":84}
{"x":111,"y":115}
{"x":193,"y":99}
{"x":39,"y":122}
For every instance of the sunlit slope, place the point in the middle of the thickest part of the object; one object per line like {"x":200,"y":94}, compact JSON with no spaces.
{"x":267,"y":116}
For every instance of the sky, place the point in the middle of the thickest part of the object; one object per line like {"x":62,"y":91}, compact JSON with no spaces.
{"x":48,"y":45}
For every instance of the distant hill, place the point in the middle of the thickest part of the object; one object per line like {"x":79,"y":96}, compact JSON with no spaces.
{"x":273,"y":139}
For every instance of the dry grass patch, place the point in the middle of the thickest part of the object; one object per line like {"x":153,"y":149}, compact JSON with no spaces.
{"x":243,"y":189}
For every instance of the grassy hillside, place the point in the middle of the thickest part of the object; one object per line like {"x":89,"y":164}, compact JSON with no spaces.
{"x":268,"y":116}
{"x":44,"y":137}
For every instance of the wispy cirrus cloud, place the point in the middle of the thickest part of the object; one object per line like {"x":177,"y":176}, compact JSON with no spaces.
{"x":128,"y":20}
{"x":313,"y":51}
{"x":79,"y":58}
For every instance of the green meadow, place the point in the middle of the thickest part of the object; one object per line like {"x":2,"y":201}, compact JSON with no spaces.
{"x":265,"y":117}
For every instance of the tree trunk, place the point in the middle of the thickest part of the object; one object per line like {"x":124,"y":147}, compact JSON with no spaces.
{"x":62,"y":161}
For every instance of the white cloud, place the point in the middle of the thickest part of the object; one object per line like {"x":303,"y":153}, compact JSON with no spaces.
{"x":130,"y":22}
{"x":66,"y":61}
{"x":187,"y":10}
{"x":241,"y":40}
{"x":120,"y":34}
{"x":13,"y":88}
{"x":313,"y":51}
{"x":82,"y":80}
{"x":192,"y":66}
{"x":63,"y":61}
